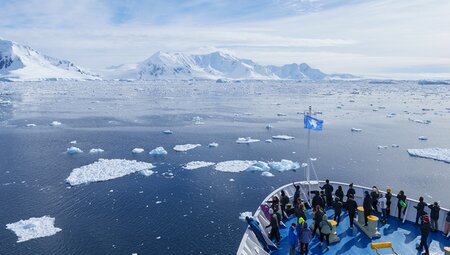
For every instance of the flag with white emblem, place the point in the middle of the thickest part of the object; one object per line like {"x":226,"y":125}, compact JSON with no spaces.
{"x":313,"y":123}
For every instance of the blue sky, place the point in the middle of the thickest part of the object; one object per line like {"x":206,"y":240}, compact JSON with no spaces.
{"x":391,"y":38}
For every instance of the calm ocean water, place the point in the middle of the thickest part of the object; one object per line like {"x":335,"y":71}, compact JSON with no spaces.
{"x":196,"y":211}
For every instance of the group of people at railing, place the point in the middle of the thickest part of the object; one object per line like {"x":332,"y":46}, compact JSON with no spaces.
{"x":300,"y":234}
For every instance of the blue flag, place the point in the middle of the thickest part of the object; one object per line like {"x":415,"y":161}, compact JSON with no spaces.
{"x":313,"y":123}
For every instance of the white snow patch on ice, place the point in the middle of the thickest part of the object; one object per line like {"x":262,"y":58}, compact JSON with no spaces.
{"x":246,"y":140}
{"x":185,"y":147}
{"x":440,"y":154}
{"x":137,"y":150}
{"x":33,"y":228}
{"x":73,"y":150}
{"x":106,"y":169}
{"x":283,"y":137}
{"x":158,"y":151}
{"x":284,"y":165}
{"x":197,"y":164}
{"x":234,"y":166}
{"x":96,"y":151}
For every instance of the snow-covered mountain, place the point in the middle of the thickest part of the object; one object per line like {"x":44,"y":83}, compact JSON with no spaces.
{"x":23,"y":63}
{"x":215,"y":65}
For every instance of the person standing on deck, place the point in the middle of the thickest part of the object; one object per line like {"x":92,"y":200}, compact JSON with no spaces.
{"x":424,"y":232}
{"x":434,"y":215}
{"x":339,"y":193}
{"x":447,"y":224}
{"x":325,"y":230}
{"x":337,"y":210}
{"x":352,"y":206}
{"x":293,"y":239}
{"x":275,"y":230}
{"x":284,"y":200}
{"x":317,"y":201}
{"x":375,"y":194}
{"x":401,"y":204}
{"x":388,"y":201}
{"x":382,"y":203}
{"x":305,"y":235}
{"x":328,"y":193}
{"x":296,"y":194}
{"x":317,"y":218}
{"x":367,"y":205}
{"x":420,"y":207}
{"x":350,"y":191}
{"x":300,"y":212}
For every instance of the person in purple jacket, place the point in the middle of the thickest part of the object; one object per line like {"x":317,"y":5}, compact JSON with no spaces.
{"x":293,"y":239}
{"x":304,"y":233}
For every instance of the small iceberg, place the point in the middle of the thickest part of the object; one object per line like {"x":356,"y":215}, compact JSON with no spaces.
{"x":247,"y":140}
{"x":197,"y":164}
{"x":33,"y":228}
{"x":234,"y":166}
{"x":281,"y":114}
{"x":73,"y":150}
{"x":267,"y":174}
{"x":420,"y":121}
{"x":147,"y":172}
{"x":283,"y":137}
{"x":158,"y":151}
{"x":382,"y":147}
{"x":269,"y":141}
{"x":185,"y":147}
{"x":284,"y":165}
{"x":55,"y":123}
{"x":440,"y":154}
{"x":31,"y":125}
{"x":198,"y":120}
{"x":213,"y":145}
{"x":259,"y":166}
{"x":106,"y":169}
{"x":137,"y":150}
{"x":356,"y":130}
{"x":96,"y":151}
{"x":168,"y":132}
{"x":422,"y":138}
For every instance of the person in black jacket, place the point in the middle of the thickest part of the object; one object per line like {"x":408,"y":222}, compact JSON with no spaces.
{"x":339,"y":193}
{"x":375,"y":194}
{"x":328,"y":193}
{"x":424,"y":232}
{"x":317,"y":201}
{"x":447,"y":225}
{"x":401,"y":204}
{"x":388,"y":201}
{"x":420,"y":207}
{"x":352,"y":206}
{"x":284,"y":200}
{"x":367,"y":205}
{"x":434,"y":215}
{"x":337,"y":210}
{"x":318,"y":216}
{"x":296,"y":195}
{"x":275,"y":230}
{"x":300,"y":212}
{"x":350,"y":191}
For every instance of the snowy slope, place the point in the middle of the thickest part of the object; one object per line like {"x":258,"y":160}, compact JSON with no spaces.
{"x":215,"y":65}
{"x":23,"y":63}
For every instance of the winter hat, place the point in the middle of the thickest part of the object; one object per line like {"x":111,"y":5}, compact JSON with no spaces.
{"x":426,"y":218}
{"x":301,"y":220}
{"x":389,"y":189}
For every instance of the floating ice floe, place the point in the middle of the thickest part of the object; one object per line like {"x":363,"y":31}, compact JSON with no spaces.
{"x":185,"y":147}
{"x":197,"y":164}
{"x":258,"y":166}
{"x":31,"y":125}
{"x":73,"y":142}
{"x":33,"y":228}
{"x":147,"y":172}
{"x":55,"y":123}
{"x":422,"y":138}
{"x":198,"y":120}
{"x":137,"y":150}
{"x":356,"y":130}
{"x":234,"y":166}
{"x":213,"y":145}
{"x":420,"y":121}
{"x":247,"y":140}
{"x":382,"y":147}
{"x":231,"y":180}
{"x":284,"y":165}
{"x":167,"y":132}
{"x":267,"y":174}
{"x":106,"y":169}
{"x":283,"y":137}
{"x":73,"y":150}
{"x":440,"y":154}
{"x":96,"y":151}
{"x":269,"y":141}
{"x":281,"y":114}
{"x":158,"y":151}
{"x":244,"y":215}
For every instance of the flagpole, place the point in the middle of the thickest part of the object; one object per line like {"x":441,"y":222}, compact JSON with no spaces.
{"x":307,"y":173}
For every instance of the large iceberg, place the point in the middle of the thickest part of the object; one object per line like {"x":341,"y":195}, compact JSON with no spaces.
{"x":234,"y":166}
{"x":33,"y":228}
{"x":106,"y":169}
{"x":284,"y":165}
{"x":185,"y":147}
{"x":440,"y":154}
{"x":158,"y":151}
{"x":197,"y":164}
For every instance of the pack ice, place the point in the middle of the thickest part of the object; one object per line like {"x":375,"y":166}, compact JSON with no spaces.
{"x":33,"y":228}
{"x":106,"y":169}
{"x":197,"y":164}
{"x":439,"y":154}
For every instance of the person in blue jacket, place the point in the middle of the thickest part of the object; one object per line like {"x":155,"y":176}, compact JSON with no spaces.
{"x":293,"y":239}
{"x":305,"y":234}
{"x":254,"y":226}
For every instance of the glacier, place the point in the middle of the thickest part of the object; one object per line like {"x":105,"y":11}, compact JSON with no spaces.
{"x":33,"y":228}
{"x":106,"y":169}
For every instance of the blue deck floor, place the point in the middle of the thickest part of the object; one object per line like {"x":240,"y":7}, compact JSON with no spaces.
{"x":404,"y":237}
